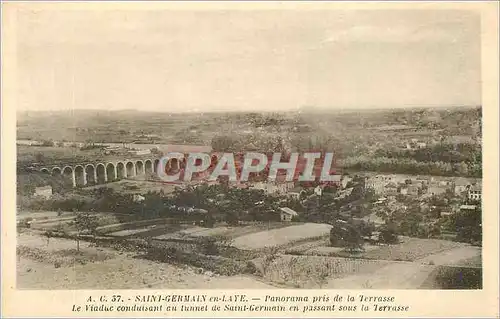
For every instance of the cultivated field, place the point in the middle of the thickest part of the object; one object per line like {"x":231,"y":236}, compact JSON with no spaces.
{"x":313,"y":271}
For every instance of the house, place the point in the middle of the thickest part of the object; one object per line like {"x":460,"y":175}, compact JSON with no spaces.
{"x":377,"y":183}
{"x":461,"y":185}
{"x":465,"y":208}
{"x":413,"y":190}
{"x":286,"y":214}
{"x":44,"y":191}
{"x":474,"y":192}
{"x":421,"y":145}
{"x":345,"y":180}
{"x":318,"y":191}
{"x":391,"y":189}
{"x":409,"y":190}
{"x":138,"y":198}
{"x":446,"y":213}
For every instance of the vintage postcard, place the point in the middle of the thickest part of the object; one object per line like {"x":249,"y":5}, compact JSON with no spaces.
{"x":239,"y":159}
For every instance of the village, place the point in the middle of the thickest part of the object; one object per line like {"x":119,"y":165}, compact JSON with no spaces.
{"x":361,"y":222}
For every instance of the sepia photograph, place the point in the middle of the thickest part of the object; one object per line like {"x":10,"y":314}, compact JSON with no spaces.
{"x":272,"y":159}
{"x":267,"y":159}
{"x":231,"y":149}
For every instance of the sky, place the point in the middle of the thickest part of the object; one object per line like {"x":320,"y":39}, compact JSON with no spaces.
{"x":176,"y":61}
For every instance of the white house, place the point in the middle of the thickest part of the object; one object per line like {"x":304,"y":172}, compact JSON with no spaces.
{"x":467,"y":207}
{"x":287,"y":214}
{"x":318,"y":190}
{"x":345,"y":180}
{"x":138,"y":198}
{"x":474,"y":192}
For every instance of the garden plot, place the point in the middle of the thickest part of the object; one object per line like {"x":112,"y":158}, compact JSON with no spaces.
{"x":313,"y":271}
{"x":281,"y":236}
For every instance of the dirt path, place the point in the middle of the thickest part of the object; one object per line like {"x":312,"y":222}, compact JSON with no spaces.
{"x":455,"y":257}
{"x":394,"y":276}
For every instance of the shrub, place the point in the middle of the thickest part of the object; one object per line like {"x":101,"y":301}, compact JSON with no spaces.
{"x":387,"y":236}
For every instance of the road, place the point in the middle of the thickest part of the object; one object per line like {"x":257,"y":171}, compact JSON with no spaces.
{"x":408,"y":275}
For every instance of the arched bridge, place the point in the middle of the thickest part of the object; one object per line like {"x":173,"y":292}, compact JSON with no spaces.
{"x":100,"y":172}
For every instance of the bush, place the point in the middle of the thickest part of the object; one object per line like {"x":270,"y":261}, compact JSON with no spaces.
{"x":387,"y":236}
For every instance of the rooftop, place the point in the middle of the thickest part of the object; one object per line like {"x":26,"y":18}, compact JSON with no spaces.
{"x":476,"y":187}
{"x":468,"y":207}
{"x":289,"y":211}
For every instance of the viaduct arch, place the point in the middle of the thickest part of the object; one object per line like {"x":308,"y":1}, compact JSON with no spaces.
{"x":79,"y":175}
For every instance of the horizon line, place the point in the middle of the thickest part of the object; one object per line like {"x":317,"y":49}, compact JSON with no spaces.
{"x":292,"y":110}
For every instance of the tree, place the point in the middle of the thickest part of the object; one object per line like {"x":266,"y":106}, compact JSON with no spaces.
{"x":346,"y":235}
{"x":85,"y":223}
{"x":366,"y":229}
{"x":353,"y":239}
{"x":468,"y":225}
{"x":388,"y":234}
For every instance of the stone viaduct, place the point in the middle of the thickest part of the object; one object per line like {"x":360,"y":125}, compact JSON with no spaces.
{"x":93,"y":173}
